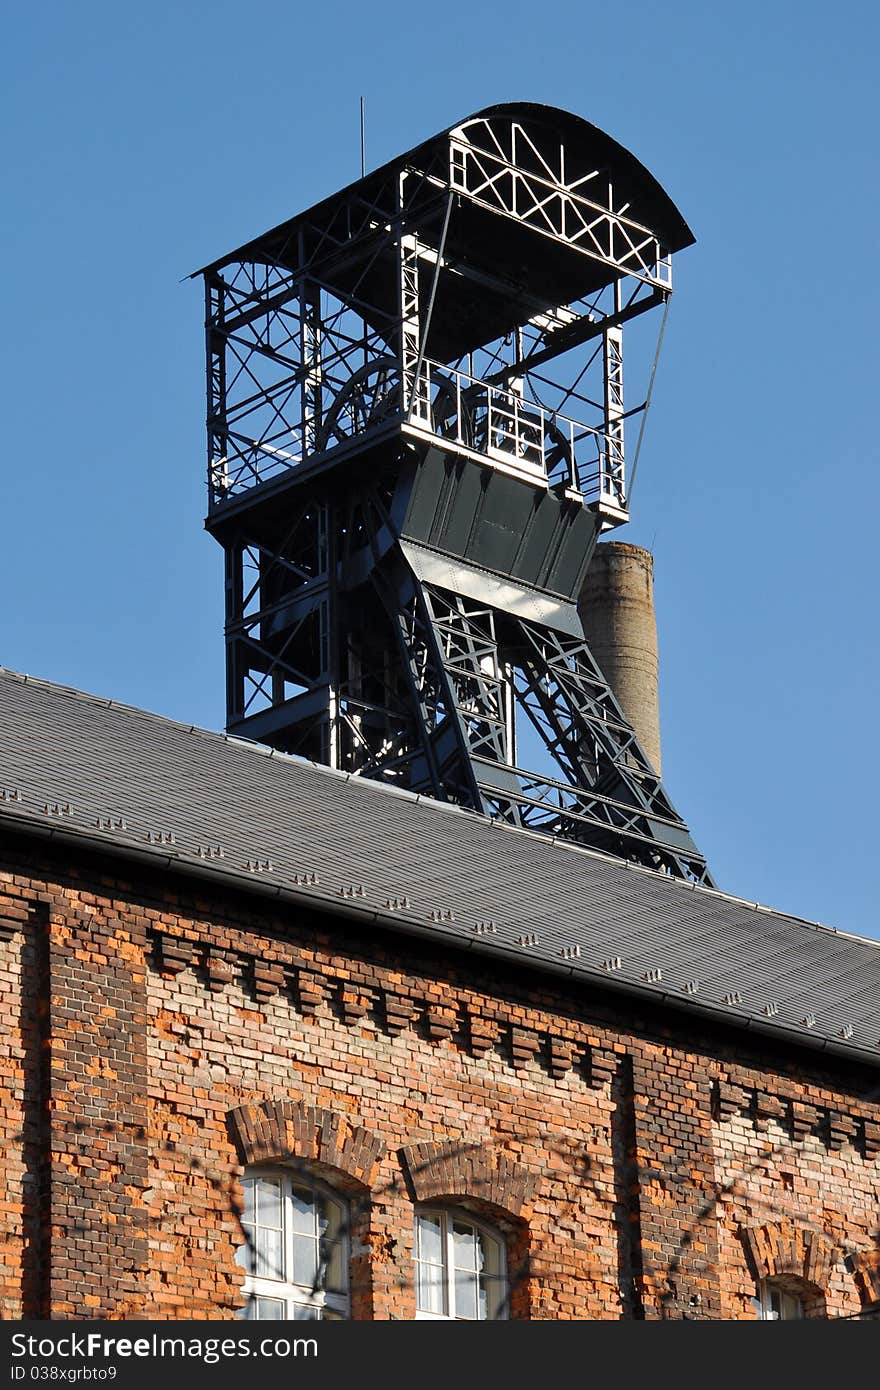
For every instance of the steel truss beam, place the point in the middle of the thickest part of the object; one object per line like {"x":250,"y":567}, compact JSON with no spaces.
{"x":277,"y":597}
{"x":425,"y":688}
{"x":497,"y":164}
{"x":287,"y":347}
{"x":464,"y":679}
{"x":607,"y":793}
{"x":351,"y":349}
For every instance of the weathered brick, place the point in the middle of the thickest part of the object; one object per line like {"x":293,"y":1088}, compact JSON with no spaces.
{"x":621,"y":1162}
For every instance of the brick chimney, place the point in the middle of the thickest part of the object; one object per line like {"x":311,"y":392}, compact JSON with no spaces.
{"x":617,"y":610}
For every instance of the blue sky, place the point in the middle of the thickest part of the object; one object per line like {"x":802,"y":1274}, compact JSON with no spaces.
{"x":142,"y":142}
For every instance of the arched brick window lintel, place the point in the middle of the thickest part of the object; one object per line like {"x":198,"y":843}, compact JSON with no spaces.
{"x":456,"y":1171}
{"x":275,"y":1131}
{"x":784,"y":1248}
{"x":865,"y":1265}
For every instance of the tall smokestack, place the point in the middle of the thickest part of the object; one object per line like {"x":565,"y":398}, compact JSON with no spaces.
{"x":617,"y":610}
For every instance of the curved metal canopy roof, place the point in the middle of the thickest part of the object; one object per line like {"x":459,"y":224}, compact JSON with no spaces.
{"x":534,"y":207}
{"x":587,"y":147}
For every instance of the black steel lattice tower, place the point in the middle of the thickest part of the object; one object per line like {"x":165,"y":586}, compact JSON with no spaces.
{"x":416,"y":434}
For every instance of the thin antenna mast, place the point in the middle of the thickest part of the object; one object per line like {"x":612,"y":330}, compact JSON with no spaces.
{"x":363,"y":141}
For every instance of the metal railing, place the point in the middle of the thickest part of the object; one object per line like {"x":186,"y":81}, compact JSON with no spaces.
{"x":488,"y":419}
{"x":501,"y":424}
{"x":248,"y":462}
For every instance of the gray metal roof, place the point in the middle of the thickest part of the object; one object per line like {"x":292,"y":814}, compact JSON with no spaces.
{"x":80,"y":769}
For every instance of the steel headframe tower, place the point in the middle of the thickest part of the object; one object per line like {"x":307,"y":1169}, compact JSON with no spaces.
{"x":416,"y":433}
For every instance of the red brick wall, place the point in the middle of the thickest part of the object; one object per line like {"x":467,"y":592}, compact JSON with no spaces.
{"x":15,"y":1006}
{"x":637,"y":1163}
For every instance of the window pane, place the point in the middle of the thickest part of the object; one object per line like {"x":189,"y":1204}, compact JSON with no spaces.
{"x":777,"y":1303}
{"x":269,"y":1203}
{"x":270,"y":1254}
{"x":490,"y":1257}
{"x":306,"y":1312}
{"x":429,"y":1295}
{"x":305,"y":1261}
{"x":264,"y":1309}
{"x":249,"y":1207}
{"x":244,"y":1255}
{"x":465,"y":1295}
{"x":430,"y":1239}
{"x":465,"y":1246}
{"x":291,"y":1223}
{"x":303,"y":1207}
{"x":332,"y":1246}
{"x":493,"y":1297}
{"x":475,"y":1287}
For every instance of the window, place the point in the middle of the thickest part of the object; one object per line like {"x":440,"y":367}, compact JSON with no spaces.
{"x":775,"y":1303}
{"x":460,"y":1267}
{"x":295,"y":1255}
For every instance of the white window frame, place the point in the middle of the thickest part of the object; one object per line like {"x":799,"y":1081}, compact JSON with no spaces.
{"x":790,"y":1305}
{"x":447,"y":1217}
{"x":315,"y":1303}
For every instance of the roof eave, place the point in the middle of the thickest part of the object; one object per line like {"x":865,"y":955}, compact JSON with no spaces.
{"x":400,"y":923}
